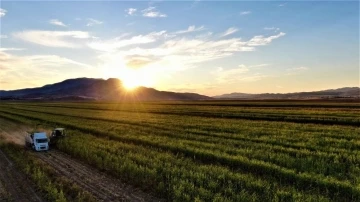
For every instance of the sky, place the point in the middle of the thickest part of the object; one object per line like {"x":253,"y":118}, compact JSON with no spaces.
{"x":207,"y":47}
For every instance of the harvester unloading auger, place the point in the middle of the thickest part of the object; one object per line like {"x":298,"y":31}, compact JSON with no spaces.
{"x":39,"y":141}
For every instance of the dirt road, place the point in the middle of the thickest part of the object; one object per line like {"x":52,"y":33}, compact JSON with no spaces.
{"x":13,"y":132}
{"x":103,"y":187}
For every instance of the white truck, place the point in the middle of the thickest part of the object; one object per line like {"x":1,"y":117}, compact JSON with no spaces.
{"x":37,"y":141}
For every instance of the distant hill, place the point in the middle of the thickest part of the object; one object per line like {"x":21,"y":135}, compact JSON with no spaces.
{"x":347,"y":92}
{"x":94,"y":89}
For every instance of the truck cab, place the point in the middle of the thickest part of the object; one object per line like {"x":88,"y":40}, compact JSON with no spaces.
{"x":38,"y":141}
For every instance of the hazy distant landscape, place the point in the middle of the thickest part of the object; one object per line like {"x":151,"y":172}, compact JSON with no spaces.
{"x":113,"y":90}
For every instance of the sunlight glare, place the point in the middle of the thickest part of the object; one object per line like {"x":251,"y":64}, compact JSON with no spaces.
{"x":131,"y":78}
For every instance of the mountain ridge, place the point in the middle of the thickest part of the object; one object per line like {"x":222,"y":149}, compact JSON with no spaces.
{"x":95,"y":89}
{"x":344,"y":92}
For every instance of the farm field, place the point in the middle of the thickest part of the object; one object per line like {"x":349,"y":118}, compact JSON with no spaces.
{"x":210,"y":151}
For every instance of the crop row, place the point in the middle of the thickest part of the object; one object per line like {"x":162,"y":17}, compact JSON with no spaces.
{"x":300,"y":181}
{"x":300,"y":160}
{"x":177,"y":178}
{"x":298,"y":116}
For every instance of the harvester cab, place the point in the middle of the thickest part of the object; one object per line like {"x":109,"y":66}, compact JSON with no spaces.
{"x":56,"y":134}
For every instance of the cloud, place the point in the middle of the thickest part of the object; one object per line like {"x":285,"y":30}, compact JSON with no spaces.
{"x":64,"y":39}
{"x":152,"y":13}
{"x":194,"y":3}
{"x":131,"y":11}
{"x":191,"y":28}
{"x":240,"y":74}
{"x":11,"y":49}
{"x":120,"y":42}
{"x":92,"y":22}
{"x":260,"y":65}
{"x":157,"y":53}
{"x":3,"y":36}
{"x":296,"y":70}
{"x":57,"y":22}
{"x":137,"y":62}
{"x":275,"y":29}
{"x":260,"y":40}
{"x":2,"y":12}
{"x":231,"y":75}
{"x":282,"y":5}
{"x":35,"y":70}
{"x":229,"y":31}
{"x":245,"y":13}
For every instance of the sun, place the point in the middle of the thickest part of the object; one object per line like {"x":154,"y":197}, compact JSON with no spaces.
{"x":131,"y":78}
{"x":130,"y":83}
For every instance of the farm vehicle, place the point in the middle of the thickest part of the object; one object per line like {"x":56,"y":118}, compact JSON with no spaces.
{"x":39,"y":141}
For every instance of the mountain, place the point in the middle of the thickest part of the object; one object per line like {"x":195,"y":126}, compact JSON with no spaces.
{"x":347,"y":92}
{"x":95,"y":89}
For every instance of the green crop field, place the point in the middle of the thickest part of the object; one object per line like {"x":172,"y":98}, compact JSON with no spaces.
{"x":213,"y":151}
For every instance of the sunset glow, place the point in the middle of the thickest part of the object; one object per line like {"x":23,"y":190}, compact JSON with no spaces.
{"x":202,"y":47}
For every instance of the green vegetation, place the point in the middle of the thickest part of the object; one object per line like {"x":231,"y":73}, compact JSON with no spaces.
{"x":53,"y":186}
{"x":214,"y":151}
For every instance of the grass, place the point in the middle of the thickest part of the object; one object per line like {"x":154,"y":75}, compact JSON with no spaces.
{"x":214,"y":151}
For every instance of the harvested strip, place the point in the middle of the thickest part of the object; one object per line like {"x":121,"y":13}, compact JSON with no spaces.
{"x":101,"y":186}
{"x":19,"y":188}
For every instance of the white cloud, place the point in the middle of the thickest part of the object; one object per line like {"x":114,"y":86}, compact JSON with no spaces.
{"x":275,"y":29}
{"x":11,"y":49}
{"x":260,"y":65}
{"x":281,"y":5}
{"x":157,"y":53}
{"x":231,"y":75}
{"x":92,"y":22}
{"x":245,"y":13}
{"x":57,"y":22}
{"x":65,"y":39}
{"x":2,"y":12}
{"x":191,"y":28}
{"x":296,"y":70}
{"x":131,"y":11}
{"x":260,"y":40}
{"x":35,"y":70}
{"x":120,"y":42}
{"x":151,"y":12}
{"x":240,"y":74}
{"x":53,"y":61}
{"x":3,"y":36}
{"x":229,"y":31}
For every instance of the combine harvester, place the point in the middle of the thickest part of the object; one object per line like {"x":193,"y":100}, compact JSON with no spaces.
{"x":39,"y":141}
{"x":56,"y":134}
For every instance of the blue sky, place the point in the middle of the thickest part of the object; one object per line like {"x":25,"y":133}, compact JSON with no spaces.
{"x":189,"y":46}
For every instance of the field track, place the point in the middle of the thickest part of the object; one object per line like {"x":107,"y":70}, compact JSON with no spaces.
{"x":101,"y":186}
{"x":15,"y":182}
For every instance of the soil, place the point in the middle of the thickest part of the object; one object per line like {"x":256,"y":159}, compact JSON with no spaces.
{"x":13,"y":184}
{"x":102,"y":186}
